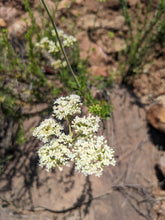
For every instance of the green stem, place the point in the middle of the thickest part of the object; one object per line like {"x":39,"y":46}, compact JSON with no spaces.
{"x":70,"y":130}
{"x":76,"y":137}
{"x":61,"y":46}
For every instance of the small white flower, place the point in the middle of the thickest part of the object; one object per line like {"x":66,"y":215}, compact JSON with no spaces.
{"x":91,"y":155}
{"x":89,"y":152}
{"x":53,"y":47}
{"x":56,"y":64}
{"x":86,"y":125}
{"x":64,"y":64}
{"x":46,"y":129}
{"x":65,"y":139}
{"x":54,"y":154}
{"x":67,"y":106}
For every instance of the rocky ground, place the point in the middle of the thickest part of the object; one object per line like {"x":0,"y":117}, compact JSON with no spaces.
{"x":134,"y":189}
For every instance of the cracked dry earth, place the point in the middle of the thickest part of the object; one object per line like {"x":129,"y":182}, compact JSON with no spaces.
{"x":131,"y":190}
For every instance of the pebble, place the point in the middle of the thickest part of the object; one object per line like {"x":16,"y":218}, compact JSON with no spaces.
{"x":2,"y":23}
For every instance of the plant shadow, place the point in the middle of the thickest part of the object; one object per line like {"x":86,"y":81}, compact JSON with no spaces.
{"x":157,"y":138}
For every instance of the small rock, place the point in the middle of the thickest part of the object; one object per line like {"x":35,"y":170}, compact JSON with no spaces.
{"x":8,"y":13}
{"x":17,"y":29}
{"x":98,"y":71}
{"x":133,"y":2}
{"x":2,"y":23}
{"x":156,"y":114}
{"x":88,"y":48}
{"x":116,"y":24}
{"x":112,"y":45}
{"x":92,"y":5}
{"x":88,"y":21}
{"x":75,"y":12}
{"x":79,"y":1}
{"x":64,"y":4}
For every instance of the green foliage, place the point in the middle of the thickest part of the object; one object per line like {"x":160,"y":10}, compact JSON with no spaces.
{"x":101,"y":108}
{"x":101,"y":0}
{"x":103,"y":82}
{"x":32,"y":54}
{"x":111,"y":34}
{"x":21,"y":139}
{"x":141,"y":38}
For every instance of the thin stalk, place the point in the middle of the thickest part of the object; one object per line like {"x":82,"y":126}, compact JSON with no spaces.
{"x":69,"y":124}
{"x":61,"y":46}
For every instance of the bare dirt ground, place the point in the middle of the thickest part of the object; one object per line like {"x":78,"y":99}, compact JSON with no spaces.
{"x":135,"y":188}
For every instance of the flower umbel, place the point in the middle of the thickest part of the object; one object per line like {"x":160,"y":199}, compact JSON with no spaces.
{"x":89,"y":152}
{"x":92,"y":154}
{"x":67,"y":106}
{"x":52,"y":47}
{"x":46,"y":129}
{"x":86,"y":125}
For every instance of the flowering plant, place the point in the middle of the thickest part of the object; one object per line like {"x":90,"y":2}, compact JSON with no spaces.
{"x":52,"y":46}
{"x":80,"y":145}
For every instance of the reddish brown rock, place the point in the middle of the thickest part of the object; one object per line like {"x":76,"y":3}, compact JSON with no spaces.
{"x":133,"y":2}
{"x":156,"y":114}
{"x":161,"y":164}
{"x":88,"y":48}
{"x":8,"y":13}
{"x":2,"y":23}
{"x":98,"y":71}
{"x":64,"y":4}
{"x":90,"y":21}
{"x":112,"y":45}
{"x":116,"y":24}
{"x":17,"y":29}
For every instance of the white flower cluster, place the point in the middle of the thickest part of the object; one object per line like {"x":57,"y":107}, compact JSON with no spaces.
{"x":67,"y":40}
{"x":54,"y":154}
{"x":46,"y":129}
{"x":58,"y":64}
{"x":67,"y":106}
{"x":92,"y":154}
{"x":54,"y":47}
{"x":86,"y":125}
{"x":89,"y":152}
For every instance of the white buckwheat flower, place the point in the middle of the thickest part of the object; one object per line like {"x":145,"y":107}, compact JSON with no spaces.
{"x":67,"y":106}
{"x":44,"y":43}
{"x":65,"y":139}
{"x":56,"y":64}
{"x":46,"y":129}
{"x":60,"y":32}
{"x":54,"y":154}
{"x":86,"y":125}
{"x":52,"y":47}
{"x":92,"y":154}
{"x":78,"y":144}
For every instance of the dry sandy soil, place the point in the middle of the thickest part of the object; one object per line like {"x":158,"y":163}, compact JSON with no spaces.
{"x":135,"y":188}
